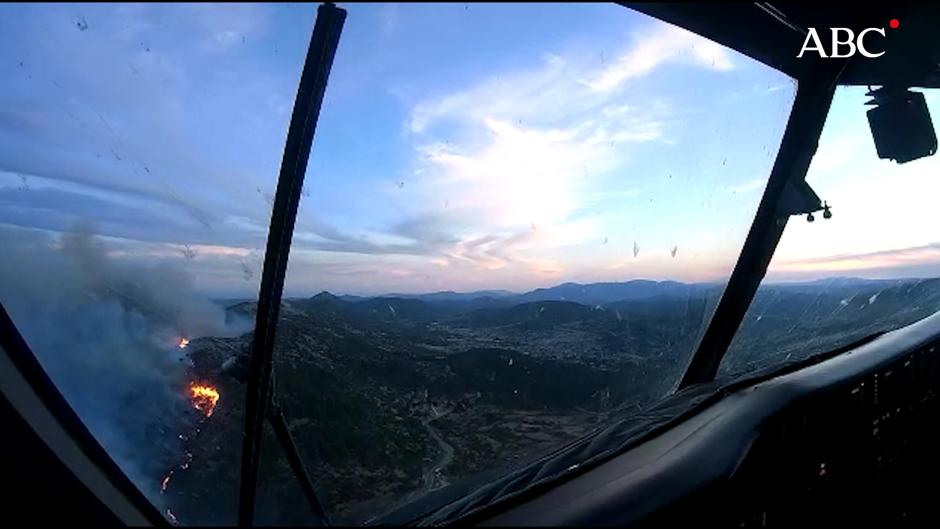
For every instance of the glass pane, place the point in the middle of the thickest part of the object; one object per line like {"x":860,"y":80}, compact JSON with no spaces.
{"x":517,"y":220}
{"x":871,"y":267}
{"x":139,"y":151}
{"x":280,"y":500}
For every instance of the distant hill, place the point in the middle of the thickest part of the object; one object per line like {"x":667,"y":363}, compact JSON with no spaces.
{"x":585,"y":294}
{"x":386,"y":396}
{"x":378,"y":309}
{"x":450,"y":295}
{"x":608,"y":292}
{"x":599,"y":293}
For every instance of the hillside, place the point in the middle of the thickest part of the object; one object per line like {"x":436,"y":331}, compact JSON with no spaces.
{"x":394,"y":398}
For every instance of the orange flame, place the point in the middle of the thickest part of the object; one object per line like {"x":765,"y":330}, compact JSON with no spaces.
{"x":204,"y":398}
{"x":183,"y":342}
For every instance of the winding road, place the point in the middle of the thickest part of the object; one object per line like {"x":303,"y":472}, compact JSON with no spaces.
{"x":433,"y":478}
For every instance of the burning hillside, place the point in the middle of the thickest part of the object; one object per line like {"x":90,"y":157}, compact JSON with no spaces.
{"x":204,"y":398}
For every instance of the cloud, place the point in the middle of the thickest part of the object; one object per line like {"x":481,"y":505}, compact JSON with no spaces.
{"x":518,"y":123}
{"x":520,"y":179}
{"x":518,"y":156}
{"x":177,"y":136}
{"x":540,"y":94}
{"x":666,"y":44}
{"x":778,"y":87}
{"x":417,"y":235}
{"x":520,"y":94}
{"x":32,"y":201}
{"x":517,"y":177}
{"x":913,"y":253}
{"x":920,"y":261}
{"x":528,"y":148}
{"x":135,"y":124}
{"x":560,"y":86}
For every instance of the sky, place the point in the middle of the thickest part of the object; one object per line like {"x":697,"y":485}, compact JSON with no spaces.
{"x":460,"y":147}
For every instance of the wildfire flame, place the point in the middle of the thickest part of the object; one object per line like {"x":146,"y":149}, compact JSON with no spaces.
{"x":183,"y":342}
{"x":204,"y":398}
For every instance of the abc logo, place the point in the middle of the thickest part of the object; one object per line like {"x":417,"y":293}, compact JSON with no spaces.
{"x":843,"y":42}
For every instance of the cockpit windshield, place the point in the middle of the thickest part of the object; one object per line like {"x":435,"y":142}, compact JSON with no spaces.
{"x":516,"y":223}
{"x":139,"y":154}
{"x":872,"y":266}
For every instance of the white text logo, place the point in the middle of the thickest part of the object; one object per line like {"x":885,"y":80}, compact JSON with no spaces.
{"x":843,"y":42}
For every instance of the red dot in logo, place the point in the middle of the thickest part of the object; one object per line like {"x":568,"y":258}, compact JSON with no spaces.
{"x":894,"y":23}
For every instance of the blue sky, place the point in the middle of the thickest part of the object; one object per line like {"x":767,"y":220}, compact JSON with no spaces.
{"x":459,"y":147}
{"x":884,"y":217}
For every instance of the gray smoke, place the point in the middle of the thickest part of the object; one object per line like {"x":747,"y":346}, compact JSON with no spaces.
{"x":106,"y":329}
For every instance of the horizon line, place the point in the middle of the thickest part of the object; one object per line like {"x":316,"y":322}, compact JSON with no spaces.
{"x":518,"y":293}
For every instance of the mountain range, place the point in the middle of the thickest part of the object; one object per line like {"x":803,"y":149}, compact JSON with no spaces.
{"x":398,"y":397}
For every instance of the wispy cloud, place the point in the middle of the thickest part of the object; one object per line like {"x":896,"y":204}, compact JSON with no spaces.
{"x":518,"y":155}
{"x":916,"y":261}
{"x":879,"y":258}
{"x":666,"y":44}
{"x":165,"y":125}
{"x":528,"y":149}
{"x":520,"y":94}
{"x":126,"y":114}
{"x":554,"y":91}
{"x":778,"y":87}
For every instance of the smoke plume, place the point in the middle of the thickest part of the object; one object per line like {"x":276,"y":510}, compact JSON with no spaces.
{"x":107,"y":329}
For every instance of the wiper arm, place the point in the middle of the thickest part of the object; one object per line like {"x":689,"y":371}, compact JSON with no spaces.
{"x":237,"y":368}
{"x":276,"y":418}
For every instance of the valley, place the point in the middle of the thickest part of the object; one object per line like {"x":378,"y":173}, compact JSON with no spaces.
{"x":395,"y":399}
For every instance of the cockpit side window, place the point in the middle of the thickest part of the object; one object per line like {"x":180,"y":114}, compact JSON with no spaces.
{"x":139,"y":152}
{"x":870,"y":265}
